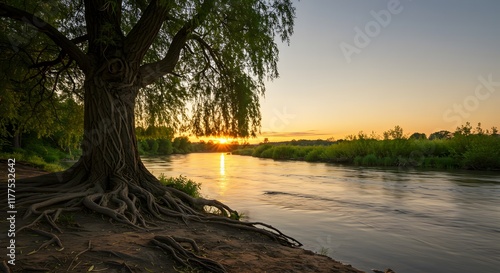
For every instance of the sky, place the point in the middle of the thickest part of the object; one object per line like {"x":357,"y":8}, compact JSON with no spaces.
{"x":369,"y":65}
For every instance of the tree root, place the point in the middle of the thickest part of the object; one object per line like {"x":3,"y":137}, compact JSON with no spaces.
{"x":4,"y":267}
{"x":185,"y":257}
{"x":79,"y":253}
{"x":131,"y":201}
{"x":53,"y":239}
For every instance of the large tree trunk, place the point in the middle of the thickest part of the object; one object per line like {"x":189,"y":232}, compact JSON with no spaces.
{"x":109,"y":143}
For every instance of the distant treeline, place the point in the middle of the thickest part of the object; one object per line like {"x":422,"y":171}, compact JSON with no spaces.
{"x":464,"y":149}
{"x":160,"y":140}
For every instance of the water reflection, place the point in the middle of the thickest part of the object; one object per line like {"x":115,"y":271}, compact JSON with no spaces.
{"x":222,"y":165}
{"x":222,"y":171}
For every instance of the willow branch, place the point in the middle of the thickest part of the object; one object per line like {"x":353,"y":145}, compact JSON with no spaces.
{"x":57,"y":37}
{"x":151,"y":72}
{"x":213,"y":53}
{"x":145,"y":31}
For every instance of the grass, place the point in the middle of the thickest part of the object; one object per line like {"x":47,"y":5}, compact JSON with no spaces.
{"x":34,"y":160}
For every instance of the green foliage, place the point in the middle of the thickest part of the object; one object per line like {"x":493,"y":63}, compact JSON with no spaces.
{"x":165,"y":146}
{"x":181,"y":145}
{"x":246,"y":151}
{"x":483,"y":153}
{"x":268,"y":153}
{"x":261,"y":148}
{"x":183,"y":184}
{"x":32,"y":159}
{"x":370,"y":160}
{"x":314,"y":155}
{"x":440,"y":135}
{"x":396,"y":133}
{"x":153,"y":146}
{"x":161,"y":146}
{"x":464,"y":150}
{"x":284,"y":152}
{"x":145,"y":145}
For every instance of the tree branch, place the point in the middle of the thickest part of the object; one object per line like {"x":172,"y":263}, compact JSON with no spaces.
{"x":61,"y":55}
{"x":153,"y":71}
{"x":57,"y":37}
{"x":145,"y":31}
{"x":215,"y":56}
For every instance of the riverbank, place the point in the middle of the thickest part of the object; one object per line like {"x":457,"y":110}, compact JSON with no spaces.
{"x":467,"y":152}
{"x":91,"y":244}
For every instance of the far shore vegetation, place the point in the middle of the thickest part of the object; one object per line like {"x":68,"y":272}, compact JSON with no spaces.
{"x":466,"y":148}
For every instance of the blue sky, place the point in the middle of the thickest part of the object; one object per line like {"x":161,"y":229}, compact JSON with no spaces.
{"x":424,"y":65}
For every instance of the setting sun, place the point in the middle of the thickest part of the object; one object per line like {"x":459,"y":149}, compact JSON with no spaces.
{"x":222,"y":141}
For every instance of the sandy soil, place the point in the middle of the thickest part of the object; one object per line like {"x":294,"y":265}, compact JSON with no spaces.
{"x":93,"y":244}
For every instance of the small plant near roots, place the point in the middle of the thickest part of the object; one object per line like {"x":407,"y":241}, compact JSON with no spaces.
{"x":67,"y":219}
{"x":183,"y":184}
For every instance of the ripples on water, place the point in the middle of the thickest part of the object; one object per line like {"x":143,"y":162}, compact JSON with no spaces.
{"x":411,"y":221}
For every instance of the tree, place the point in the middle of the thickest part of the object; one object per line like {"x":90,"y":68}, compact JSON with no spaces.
{"x":418,"y":136}
{"x":396,"y":133}
{"x":443,"y":134}
{"x":154,"y":57}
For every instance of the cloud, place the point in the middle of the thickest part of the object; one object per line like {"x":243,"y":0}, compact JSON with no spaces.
{"x":308,"y":134}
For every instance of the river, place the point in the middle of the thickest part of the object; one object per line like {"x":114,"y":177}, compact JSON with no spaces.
{"x":409,"y":220}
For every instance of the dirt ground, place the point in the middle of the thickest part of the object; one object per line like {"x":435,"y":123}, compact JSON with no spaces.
{"x":91,"y":243}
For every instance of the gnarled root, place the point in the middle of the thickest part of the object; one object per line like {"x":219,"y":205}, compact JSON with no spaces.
{"x":185,"y":257}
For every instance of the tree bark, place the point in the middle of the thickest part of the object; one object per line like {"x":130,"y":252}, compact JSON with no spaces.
{"x":110,"y":153}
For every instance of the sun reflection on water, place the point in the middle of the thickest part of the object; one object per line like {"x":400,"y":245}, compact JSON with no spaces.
{"x":222,"y":165}
{"x":222,"y":170}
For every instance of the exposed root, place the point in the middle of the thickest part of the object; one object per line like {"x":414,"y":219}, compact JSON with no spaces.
{"x":185,"y":257}
{"x":122,"y":265}
{"x":79,"y":253}
{"x":4,"y":267}
{"x":132,"y":201}
{"x":53,"y":239}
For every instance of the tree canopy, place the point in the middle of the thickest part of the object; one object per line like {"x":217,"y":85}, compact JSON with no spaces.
{"x":201,"y":64}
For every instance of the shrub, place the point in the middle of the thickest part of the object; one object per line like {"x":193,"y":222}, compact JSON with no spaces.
{"x":314,"y":155}
{"x":153,"y":146}
{"x":337,"y":153}
{"x":284,"y":152}
{"x":140,"y":148}
{"x":369,"y":160}
{"x":301,"y":152}
{"x":145,"y":145}
{"x":446,"y":163}
{"x":165,"y":146}
{"x":479,"y":156}
{"x":183,"y":184}
{"x":268,"y":153}
{"x":358,"y":160}
{"x":246,"y":151}
{"x":261,"y":148}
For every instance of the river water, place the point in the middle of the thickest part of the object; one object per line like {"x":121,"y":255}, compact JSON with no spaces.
{"x":408,"y":220}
